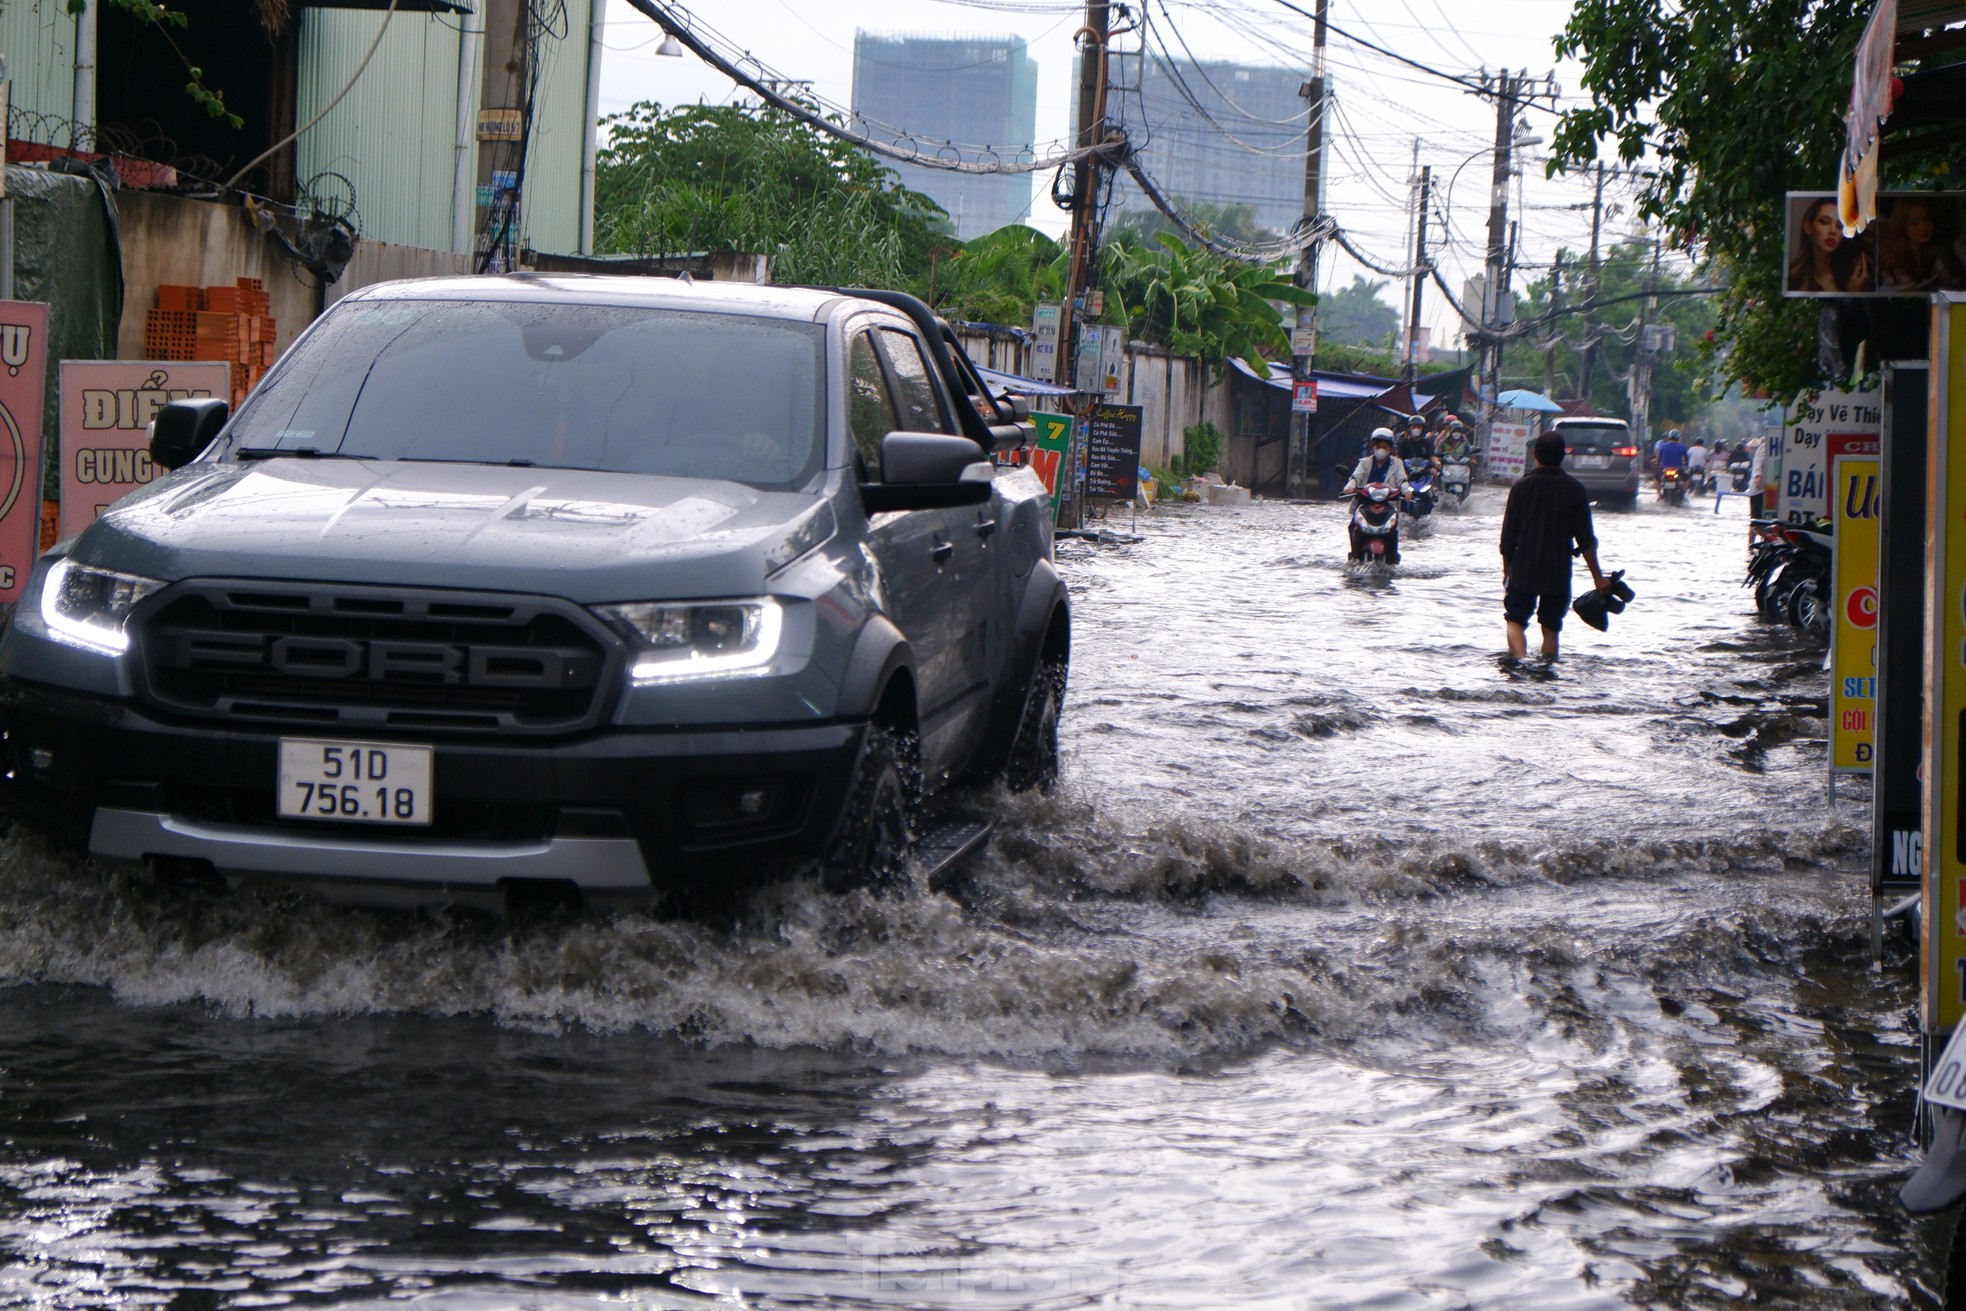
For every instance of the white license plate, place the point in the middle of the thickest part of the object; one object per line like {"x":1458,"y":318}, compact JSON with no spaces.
{"x":363,"y":782}
{"x":1593,"y":462}
{"x":1946,"y":1085}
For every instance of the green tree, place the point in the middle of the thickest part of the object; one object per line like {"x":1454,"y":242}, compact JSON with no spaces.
{"x":1356,"y":316}
{"x":1001,"y":276}
{"x":738,"y":178}
{"x":1729,"y":103}
{"x":1231,"y":222}
{"x":1556,"y":346}
{"x":1198,"y":303}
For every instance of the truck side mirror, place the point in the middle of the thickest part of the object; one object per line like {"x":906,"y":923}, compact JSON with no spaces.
{"x":928,"y":471}
{"x":184,"y":428}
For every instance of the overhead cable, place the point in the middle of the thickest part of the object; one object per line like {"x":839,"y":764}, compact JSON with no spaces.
{"x":900,"y":145}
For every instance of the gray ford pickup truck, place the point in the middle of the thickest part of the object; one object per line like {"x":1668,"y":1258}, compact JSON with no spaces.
{"x":603,"y":586}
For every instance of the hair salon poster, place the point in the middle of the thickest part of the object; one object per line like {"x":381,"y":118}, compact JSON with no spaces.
{"x":23,"y":373}
{"x":1917,"y":246}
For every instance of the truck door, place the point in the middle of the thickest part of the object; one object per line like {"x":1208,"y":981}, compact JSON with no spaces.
{"x":914,"y":553}
{"x":976,"y":597}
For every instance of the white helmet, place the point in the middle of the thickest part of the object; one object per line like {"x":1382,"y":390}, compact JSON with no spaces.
{"x":1381,"y":435}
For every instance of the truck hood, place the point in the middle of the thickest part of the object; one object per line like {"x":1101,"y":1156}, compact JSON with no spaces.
{"x":585,"y":536}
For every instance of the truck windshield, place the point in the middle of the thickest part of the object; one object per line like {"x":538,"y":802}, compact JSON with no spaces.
{"x":618,"y":389}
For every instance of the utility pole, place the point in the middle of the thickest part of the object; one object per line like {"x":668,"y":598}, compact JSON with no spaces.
{"x":1552,"y":336}
{"x":1303,"y":342}
{"x":1590,"y":293}
{"x":1639,"y":381}
{"x":1510,"y":90}
{"x":1093,"y":71}
{"x":1085,"y":178}
{"x":1419,"y":278}
{"x":1504,"y":88}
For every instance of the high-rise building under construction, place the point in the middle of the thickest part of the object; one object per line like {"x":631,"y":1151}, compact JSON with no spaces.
{"x":980,"y":90}
{"x":1227,"y":134}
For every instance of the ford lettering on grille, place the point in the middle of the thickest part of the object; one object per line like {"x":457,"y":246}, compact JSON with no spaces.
{"x":442,"y":663}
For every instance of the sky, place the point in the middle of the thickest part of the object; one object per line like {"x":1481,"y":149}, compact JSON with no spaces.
{"x":1382,"y":106}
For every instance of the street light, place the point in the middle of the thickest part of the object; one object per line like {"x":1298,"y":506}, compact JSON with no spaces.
{"x":670,"y":48}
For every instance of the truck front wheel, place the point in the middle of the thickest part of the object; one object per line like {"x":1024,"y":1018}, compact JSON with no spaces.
{"x":876,"y":830}
{"x":1034,"y":752}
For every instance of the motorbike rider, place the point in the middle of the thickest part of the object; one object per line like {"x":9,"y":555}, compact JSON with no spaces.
{"x":1415,"y":443}
{"x":1454,"y":443}
{"x":1381,"y":465}
{"x":1696,"y":462}
{"x":1671,"y":454}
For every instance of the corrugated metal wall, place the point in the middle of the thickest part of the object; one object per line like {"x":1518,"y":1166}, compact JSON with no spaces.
{"x":392,"y":136}
{"x":38,"y":38}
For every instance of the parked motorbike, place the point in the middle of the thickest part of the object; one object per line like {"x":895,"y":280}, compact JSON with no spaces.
{"x":1672,"y":486}
{"x":1789,"y":569}
{"x":1456,"y":479}
{"x":1374,"y":526}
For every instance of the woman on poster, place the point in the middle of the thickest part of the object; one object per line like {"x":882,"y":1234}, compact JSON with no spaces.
{"x":1823,"y":262}
{"x":1911,"y":258}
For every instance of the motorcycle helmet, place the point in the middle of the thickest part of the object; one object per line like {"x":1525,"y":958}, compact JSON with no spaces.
{"x":1380,"y":435}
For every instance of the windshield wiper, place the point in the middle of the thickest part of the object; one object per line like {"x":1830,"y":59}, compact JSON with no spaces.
{"x":295,"y":453}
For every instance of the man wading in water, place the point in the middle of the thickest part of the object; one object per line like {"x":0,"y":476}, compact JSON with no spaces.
{"x":1547,"y":511}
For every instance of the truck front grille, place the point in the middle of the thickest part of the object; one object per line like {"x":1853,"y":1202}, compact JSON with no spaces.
{"x":377,"y":658}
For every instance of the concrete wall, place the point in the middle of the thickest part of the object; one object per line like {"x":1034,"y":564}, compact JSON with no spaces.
{"x":168,"y":239}
{"x":1173,"y":392}
{"x":383,"y":261}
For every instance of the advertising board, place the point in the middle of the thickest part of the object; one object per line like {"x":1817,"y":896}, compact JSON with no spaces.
{"x":1508,"y":450}
{"x":1853,"y":622}
{"x":1943,"y":936}
{"x":1049,"y":456}
{"x":23,"y":372}
{"x":1813,"y":426}
{"x":1112,"y":452}
{"x":1914,"y":248}
{"x":106,"y":409}
{"x":1045,"y":322}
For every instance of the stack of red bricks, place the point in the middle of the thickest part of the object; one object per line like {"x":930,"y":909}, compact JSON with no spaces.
{"x":231,"y":323}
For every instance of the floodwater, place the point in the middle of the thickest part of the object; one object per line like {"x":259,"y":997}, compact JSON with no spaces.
{"x":1351,"y":967}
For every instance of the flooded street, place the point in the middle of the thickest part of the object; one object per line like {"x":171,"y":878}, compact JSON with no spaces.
{"x":1350,"y":967}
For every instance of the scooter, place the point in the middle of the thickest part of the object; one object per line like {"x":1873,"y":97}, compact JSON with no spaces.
{"x":1374,"y":525}
{"x":1808,"y":602}
{"x":1456,"y":478}
{"x":1420,"y":479}
{"x":1672,"y":486}
{"x":1739,"y":471}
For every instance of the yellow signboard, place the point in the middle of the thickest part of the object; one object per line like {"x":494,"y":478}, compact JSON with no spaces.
{"x":1853,"y":626}
{"x":1943,"y":997}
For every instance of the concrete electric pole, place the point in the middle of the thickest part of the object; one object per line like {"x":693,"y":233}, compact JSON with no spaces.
{"x":1419,"y":277}
{"x":1303,"y":342}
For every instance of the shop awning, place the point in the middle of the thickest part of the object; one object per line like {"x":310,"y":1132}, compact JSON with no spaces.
{"x":1000,"y":382}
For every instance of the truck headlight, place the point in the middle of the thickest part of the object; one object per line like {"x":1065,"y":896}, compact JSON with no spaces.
{"x":698,"y":639}
{"x":86,"y":607}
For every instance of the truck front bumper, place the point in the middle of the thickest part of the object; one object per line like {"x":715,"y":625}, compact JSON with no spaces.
{"x":617,"y":814}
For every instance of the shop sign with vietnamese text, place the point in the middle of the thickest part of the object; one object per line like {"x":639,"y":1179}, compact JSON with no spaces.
{"x":1853,"y":625}
{"x":1053,"y":449}
{"x":106,"y":410}
{"x":23,"y":374}
{"x":1832,"y":418}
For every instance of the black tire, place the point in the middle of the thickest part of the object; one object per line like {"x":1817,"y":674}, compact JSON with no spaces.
{"x":1771,"y":593}
{"x":1809,"y":607}
{"x":1034,"y":753}
{"x":876,"y":831}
